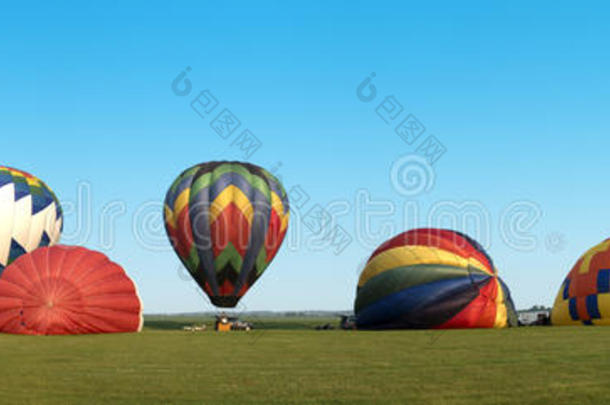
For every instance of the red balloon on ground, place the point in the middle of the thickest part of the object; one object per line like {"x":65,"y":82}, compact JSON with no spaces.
{"x":64,"y":290}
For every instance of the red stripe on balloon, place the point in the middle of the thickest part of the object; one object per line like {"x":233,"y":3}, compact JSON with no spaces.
{"x":479,"y":313}
{"x":226,"y":288}
{"x":231,"y":226}
{"x":274,"y":237}
{"x":439,"y":238}
{"x":184,"y":233}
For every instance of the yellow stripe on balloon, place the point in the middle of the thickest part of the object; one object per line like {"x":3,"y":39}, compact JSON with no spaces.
{"x":601,"y":322}
{"x":588,"y":257}
{"x":278,"y":207}
{"x":169,"y":217}
{"x":276,"y":204}
{"x":32,"y":181}
{"x":231,"y":194}
{"x":560,"y":316}
{"x":413,"y":255}
{"x":182,"y":201}
{"x":285,"y":219}
{"x":501,"y":311}
{"x":603,"y":304}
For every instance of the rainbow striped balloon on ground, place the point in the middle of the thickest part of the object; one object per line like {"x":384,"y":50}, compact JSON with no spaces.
{"x":30,"y":215}
{"x":226,"y":221}
{"x":584,"y":296}
{"x":432,"y":278}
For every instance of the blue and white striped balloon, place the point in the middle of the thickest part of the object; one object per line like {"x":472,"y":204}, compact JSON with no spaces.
{"x":30,"y":215}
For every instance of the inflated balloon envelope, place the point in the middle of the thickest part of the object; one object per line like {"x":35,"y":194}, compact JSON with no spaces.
{"x":584,"y":295}
{"x":64,"y":290}
{"x":30,"y":215}
{"x":226,"y":221}
{"x":432,"y":278}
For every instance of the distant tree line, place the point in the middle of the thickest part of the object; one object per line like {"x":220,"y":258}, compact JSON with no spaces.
{"x":536,"y":308}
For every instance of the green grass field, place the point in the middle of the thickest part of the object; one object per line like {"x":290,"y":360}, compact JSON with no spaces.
{"x":161,"y":365}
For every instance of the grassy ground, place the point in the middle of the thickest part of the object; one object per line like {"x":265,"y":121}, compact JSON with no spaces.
{"x":525,"y":366}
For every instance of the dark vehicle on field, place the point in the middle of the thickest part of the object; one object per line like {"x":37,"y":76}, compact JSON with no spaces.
{"x":226,"y":323}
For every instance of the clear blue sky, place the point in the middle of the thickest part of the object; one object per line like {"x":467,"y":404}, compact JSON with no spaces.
{"x":518,"y":93}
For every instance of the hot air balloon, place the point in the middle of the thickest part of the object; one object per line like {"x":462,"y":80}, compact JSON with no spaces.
{"x":432,"y":278}
{"x":226,"y":221}
{"x":30,"y":215}
{"x":584,"y":296}
{"x":64,"y":290}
